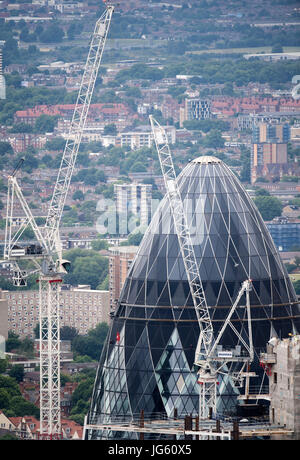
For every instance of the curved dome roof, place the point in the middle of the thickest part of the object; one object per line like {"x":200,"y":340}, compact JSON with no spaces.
{"x":206,"y":160}
{"x":231,"y":244}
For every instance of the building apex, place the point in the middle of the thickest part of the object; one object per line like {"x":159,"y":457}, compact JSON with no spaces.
{"x":206,"y":160}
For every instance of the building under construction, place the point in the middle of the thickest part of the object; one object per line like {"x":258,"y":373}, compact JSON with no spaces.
{"x":147,"y":365}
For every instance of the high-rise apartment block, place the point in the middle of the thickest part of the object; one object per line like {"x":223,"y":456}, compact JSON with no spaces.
{"x":2,"y":78}
{"x":285,"y":233}
{"x":3,"y":322}
{"x":269,"y":149}
{"x":133,"y":201}
{"x":265,"y":132}
{"x":195,"y":109}
{"x":120,"y":261}
{"x":81,"y":308}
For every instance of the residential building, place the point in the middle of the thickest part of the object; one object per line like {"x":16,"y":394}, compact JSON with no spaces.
{"x":5,"y":422}
{"x":132,"y":201}
{"x":271,"y":132}
{"x":120,"y":260}
{"x":271,"y":57}
{"x":108,"y":113}
{"x":28,"y":427}
{"x":2,"y":79}
{"x":195,"y":109}
{"x":82,"y":309}
{"x":285,"y":233}
{"x":269,"y":147}
{"x":143,"y":137}
{"x":255,"y":106}
{"x":136,"y":140}
{"x":3,"y":320}
{"x":269,"y":153}
{"x":20,"y":141}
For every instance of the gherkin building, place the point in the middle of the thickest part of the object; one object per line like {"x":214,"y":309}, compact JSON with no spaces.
{"x":147,"y":361}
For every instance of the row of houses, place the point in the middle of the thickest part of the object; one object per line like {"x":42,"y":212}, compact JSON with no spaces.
{"x":28,"y":428}
{"x":101,"y":112}
{"x":114,"y":111}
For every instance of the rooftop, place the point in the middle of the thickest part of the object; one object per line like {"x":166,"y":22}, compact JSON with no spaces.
{"x":206,"y":160}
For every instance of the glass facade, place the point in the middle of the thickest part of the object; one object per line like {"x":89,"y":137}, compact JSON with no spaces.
{"x":147,"y":363}
{"x":286,"y":235}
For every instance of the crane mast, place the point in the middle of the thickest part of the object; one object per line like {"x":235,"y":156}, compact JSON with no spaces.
{"x":209,"y":363}
{"x":46,"y":256}
{"x":183,"y":233}
{"x":77,"y":124}
{"x":208,"y":388}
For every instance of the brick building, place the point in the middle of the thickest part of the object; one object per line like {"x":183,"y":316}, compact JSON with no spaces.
{"x":82,"y":309}
{"x":120,"y":260}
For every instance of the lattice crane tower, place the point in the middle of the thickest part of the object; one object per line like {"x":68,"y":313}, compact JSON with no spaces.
{"x":209,"y":364}
{"x":46,"y":256}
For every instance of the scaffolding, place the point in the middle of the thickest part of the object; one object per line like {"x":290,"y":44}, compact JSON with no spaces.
{"x":190,"y":427}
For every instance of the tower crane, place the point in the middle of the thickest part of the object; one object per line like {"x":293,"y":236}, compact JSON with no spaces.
{"x":209,"y":360}
{"x":45,"y":257}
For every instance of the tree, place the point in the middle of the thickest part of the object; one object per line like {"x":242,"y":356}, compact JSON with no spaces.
{"x":21,"y":128}
{"x":268,"y":206}
{"x":68,"y":333}
{"x":81,"y":396}
{"x":110,"y":129}
{"x":277,"y":48}
{"x":9,"y":437}
{"x":17,"y":372}
{"x":262,"y":192}
{"x":5,"y":148}
{"x":53,"y":34}
{"x":9,"y":388}
{"x":176,"y":47}
{"x":138,"y":167}
{"x":99,"y":244}
{"x":214,"y":139}
{"x":92,"y":343}
{"x":78,"y":195}
{"x":31,"y":161}
{"x":297,"y":287}
{"x":297,"y":261}
{"x":290,"y":267}
{"x":133,"y":239}
{"x":133,"y":92}
{"x":12,"y":342}
{"x":90,"y":270}
{"x":20,"y":407}
{"x":246,"y":165}
{"x":45,"y":124}
{"x":58,"y":143}
{"x":87,"y":267}
{"x":4,"y":399}
{"x":3,"y":365}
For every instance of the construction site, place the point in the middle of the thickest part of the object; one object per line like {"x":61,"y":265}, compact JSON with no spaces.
{"x":204,"y":343}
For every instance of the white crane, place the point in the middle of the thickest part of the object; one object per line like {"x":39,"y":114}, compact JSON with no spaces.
{"x":209,"y":364}
{"x":46,"y":256}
